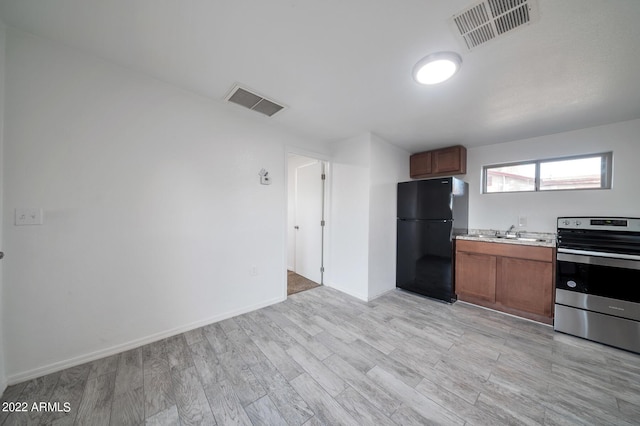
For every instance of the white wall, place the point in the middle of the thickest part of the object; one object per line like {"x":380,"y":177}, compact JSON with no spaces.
{"x":3,"y":377}
{"x":389,"y":165}
{"x":348,"y":225}
{"x":153,"y":211}
{"x":499,"y":211}
{"x":362,"y":226}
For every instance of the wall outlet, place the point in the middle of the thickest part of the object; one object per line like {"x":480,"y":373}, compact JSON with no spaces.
{"x":522,"y":221}
{"x":28,"y":216}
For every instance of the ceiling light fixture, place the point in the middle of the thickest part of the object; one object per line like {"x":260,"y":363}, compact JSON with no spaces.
{"x":437,"y":67}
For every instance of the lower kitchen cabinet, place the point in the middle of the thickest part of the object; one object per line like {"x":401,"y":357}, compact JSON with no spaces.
{"x":476,"y":276}
{"x":512,"y":278}
{"x":526,"y":285}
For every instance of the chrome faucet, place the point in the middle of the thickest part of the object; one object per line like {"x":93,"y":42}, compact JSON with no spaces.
{"x":508,"y":233}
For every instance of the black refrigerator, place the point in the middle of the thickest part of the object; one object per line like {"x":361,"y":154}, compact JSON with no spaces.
{"x":430,"y":213}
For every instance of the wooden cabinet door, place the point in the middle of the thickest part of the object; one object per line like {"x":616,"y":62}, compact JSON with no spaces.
{"x":420,"y":165}
{"x":476,"y":276}
{"x":449,"y":160}
{"x":526,"y":285}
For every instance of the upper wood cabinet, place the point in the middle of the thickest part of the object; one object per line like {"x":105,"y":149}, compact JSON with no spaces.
{"x":440,"y":162}
{"x":420,"y":164}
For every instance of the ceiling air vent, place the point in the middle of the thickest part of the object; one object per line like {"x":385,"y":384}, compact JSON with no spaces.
{"x":248,"y":99}
{"x":490,"y":19}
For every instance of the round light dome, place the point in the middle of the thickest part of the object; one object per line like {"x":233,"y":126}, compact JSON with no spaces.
{"x":437,"y":67}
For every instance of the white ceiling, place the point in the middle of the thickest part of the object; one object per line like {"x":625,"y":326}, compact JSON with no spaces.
{"x":343,"y":67}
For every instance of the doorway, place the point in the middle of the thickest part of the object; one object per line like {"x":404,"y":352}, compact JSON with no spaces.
{"x":305,"y":223}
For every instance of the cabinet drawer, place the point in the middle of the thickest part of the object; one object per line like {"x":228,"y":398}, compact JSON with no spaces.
{"x":543,"y":254}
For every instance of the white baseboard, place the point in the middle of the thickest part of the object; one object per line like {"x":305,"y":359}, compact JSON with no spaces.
{"x":365,"y":298}
{"x":92,"y":356}
{"x":3,"y":386}
{"x":362,"y":297}
{"x":382,"y":293}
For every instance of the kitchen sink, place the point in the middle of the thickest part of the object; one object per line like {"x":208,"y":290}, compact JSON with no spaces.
{"x":509,"y":237}
{"x":531,"y":239}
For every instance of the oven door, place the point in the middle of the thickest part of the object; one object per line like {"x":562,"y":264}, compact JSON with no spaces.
{"x":600,"y":282}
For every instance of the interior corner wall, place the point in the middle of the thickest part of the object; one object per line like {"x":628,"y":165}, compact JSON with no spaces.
{"x":154,"y":216}
{"x":3,"y":376}
{"x":389,"y":165}
{"x":365,"y":171}
{"x":348,"y":224}
{"x":499,"y":211}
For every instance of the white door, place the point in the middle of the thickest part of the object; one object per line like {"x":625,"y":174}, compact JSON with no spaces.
{"x":2,"y":113}
{"x":309,"y":194}
{"x":2,"y":369}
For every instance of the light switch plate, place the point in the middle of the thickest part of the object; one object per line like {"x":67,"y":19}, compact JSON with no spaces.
{"x":28,"y":216}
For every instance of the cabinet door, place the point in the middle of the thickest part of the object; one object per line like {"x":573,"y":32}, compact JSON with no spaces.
{"x":420,"y":164}
{"x":476,"y":276}
{"x":526,"y":285}
{"x":450,"y":160}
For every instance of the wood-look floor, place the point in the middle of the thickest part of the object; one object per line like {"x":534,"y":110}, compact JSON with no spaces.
{"x":324,"y":358}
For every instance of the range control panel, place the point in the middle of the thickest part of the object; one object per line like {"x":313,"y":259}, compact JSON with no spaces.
{"x":630,"y":224}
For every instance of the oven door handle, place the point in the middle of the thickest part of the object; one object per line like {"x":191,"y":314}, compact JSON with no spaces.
{"x":599,"y":254}
{"x":598,"y":259}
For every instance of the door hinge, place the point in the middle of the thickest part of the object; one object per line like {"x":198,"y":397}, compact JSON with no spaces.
{"x":323,"y":176}
{"x":322,"y":269}
{"x":322,"y":223}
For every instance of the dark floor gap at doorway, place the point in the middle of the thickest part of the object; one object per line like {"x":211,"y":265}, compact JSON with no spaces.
{"x":297,"y":283}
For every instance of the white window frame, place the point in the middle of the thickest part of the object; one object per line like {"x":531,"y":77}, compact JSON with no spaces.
{"x":606,"y":172}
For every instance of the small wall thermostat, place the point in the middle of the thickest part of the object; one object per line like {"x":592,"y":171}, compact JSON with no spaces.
{"x":264,"y":177}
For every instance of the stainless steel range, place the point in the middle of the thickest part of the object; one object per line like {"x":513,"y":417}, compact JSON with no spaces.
{"x":598,"y":280}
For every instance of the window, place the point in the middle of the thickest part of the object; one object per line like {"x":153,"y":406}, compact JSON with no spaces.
{"x":512,"y":178}
{"x":583,"y":172}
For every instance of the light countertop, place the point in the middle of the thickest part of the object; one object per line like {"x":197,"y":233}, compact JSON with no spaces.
{"x":540,"y":239}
